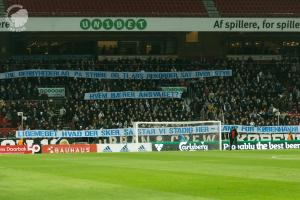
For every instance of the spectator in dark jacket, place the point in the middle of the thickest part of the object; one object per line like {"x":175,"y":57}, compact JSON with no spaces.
{"x":233,"y":134}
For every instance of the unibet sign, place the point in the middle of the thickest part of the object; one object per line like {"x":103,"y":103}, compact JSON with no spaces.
{"x":113,"y":24}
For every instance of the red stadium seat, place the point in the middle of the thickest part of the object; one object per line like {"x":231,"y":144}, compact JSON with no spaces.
{"x":5,"y":132}
{"x":4,"y":122}
{"x":258,"y":8}
{"x":147,"y":8}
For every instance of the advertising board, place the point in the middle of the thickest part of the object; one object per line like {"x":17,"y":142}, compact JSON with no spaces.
{"x":15,"y":149}
{"x":72,"y":148}
{"x":128,"y":147}
{"x":263,"y":145}
{"x":185,"y":146}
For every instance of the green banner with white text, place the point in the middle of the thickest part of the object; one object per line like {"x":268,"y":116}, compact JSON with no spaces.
{"x":160,"y":24}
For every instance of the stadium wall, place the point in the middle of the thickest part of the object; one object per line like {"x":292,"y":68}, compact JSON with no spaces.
{"x":208,"y":45}
{"x":5,"y":45}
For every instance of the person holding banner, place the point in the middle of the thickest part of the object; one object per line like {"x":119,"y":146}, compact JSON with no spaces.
{"x":290,"y":136}
{"x":232,"y":138}
{"x":181,"y":138}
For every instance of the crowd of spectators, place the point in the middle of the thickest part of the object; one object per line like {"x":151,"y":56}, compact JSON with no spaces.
{"x":257,"y":94}
{"x":129,"y":65}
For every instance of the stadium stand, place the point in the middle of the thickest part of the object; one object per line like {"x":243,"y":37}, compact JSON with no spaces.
{"x":109,"y":8}
{"x":253,"y":95}
{"x":2,"y":8}
{"x":159,"y":8}
{"x":258,"y":8}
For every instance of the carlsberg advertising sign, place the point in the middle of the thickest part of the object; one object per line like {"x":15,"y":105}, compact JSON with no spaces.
{"x":185,"y":146}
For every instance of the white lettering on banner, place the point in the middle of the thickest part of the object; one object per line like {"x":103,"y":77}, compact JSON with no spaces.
{"x":14,"y":148}
{"x":113,"y":75}
{"x":291,"y":146}
{"x":34,"y":148}
{"x":183,"y":146}
{"x":73,"y":148}
{"x":11,"y":146}
{"x":263,"y":146}
{"x":131,"y":95}
{"x":52,"y":150}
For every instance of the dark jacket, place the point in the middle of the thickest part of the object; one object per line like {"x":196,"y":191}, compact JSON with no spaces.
{"x":233,"y":134}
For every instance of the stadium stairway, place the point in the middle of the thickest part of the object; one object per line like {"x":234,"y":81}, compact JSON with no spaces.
{"x":65,"y":126}
{"x":211,"y":8}
{"x":2,"y":8}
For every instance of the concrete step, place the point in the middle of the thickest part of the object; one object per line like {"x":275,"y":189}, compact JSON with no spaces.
{"x":214,"y":14}
{"x":212,"y":11}
{"x":209,"y":4}
{"x":211,"y":8}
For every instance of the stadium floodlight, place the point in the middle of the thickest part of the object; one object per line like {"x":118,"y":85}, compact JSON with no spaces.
{"x":21,"y":114}
{"x":204,"y":132}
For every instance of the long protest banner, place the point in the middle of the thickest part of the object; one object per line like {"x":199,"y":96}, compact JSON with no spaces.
{"x":131,"y":95}
{"x":155,"y":131}
{"x":114,"y":75}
